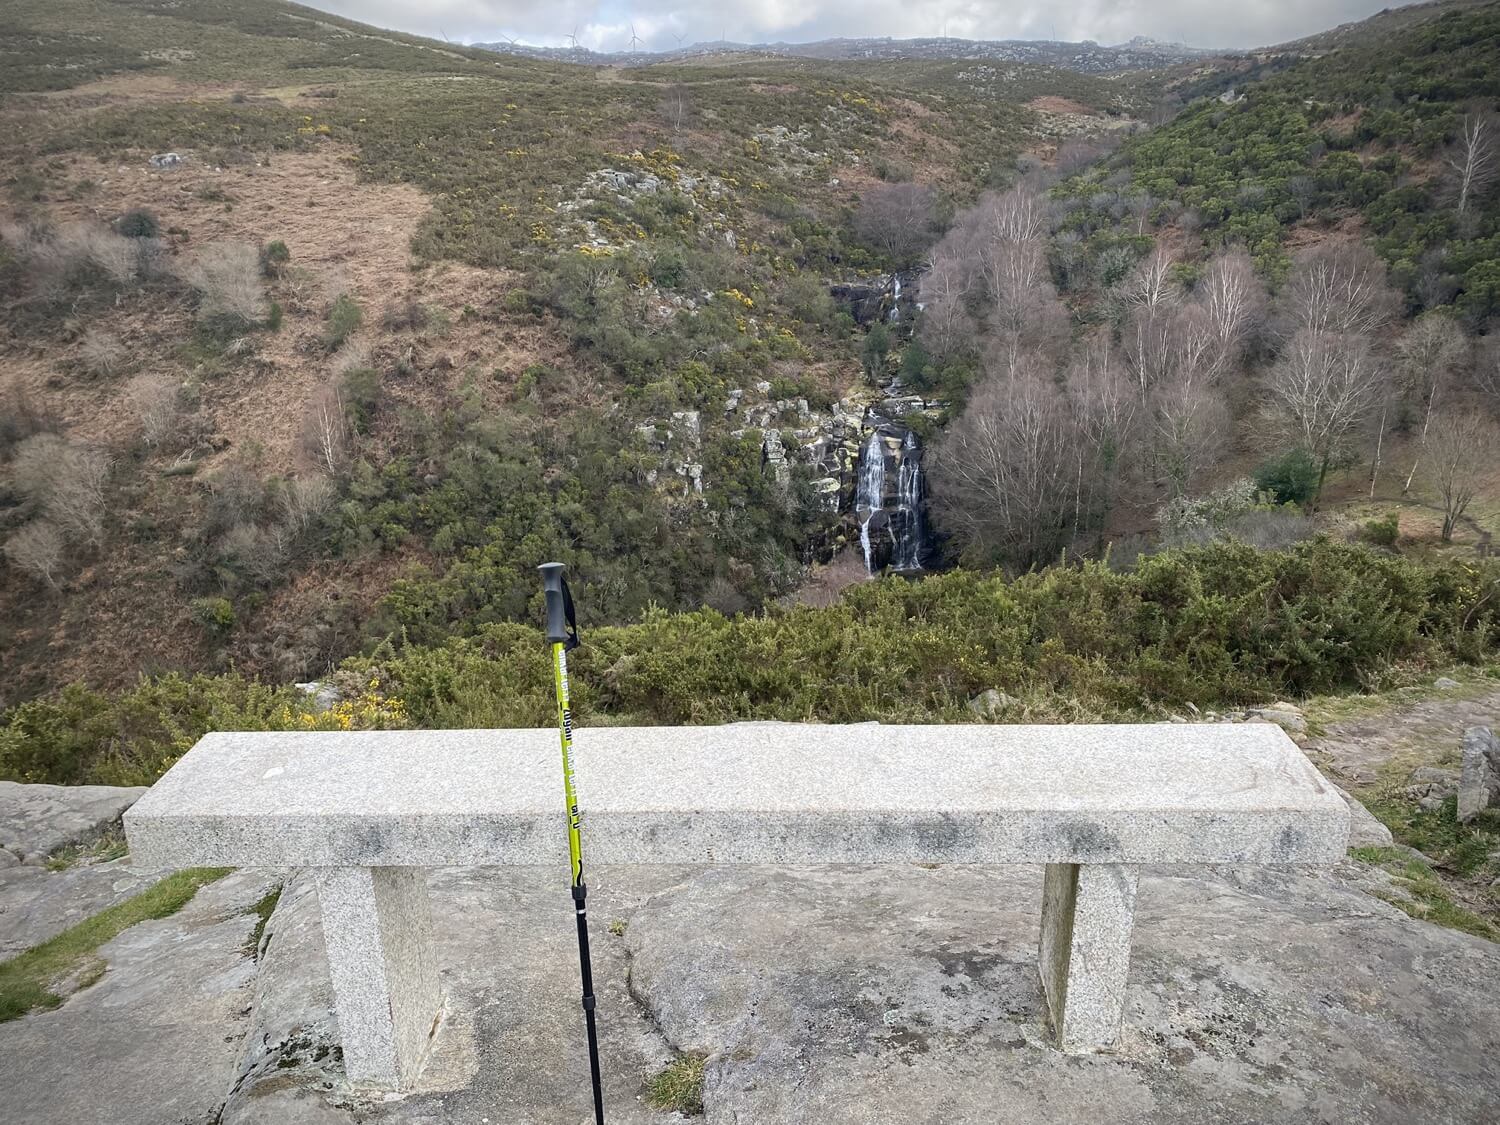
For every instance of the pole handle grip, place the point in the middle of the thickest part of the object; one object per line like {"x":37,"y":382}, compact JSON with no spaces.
{"x":562,"y":625}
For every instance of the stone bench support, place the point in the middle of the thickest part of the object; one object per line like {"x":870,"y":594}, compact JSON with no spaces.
{"x":1092,"y":804}
{"x":1088,"y":912}
{"x":377,"y":925}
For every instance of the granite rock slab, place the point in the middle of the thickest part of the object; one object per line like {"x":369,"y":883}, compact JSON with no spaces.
{"x":747,"y":793}
{"x":37,"y":820}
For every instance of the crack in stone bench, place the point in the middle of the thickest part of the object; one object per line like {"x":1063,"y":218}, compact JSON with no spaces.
{"x":370,"y":810}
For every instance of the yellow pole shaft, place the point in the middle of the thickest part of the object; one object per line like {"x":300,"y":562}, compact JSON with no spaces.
{"x":565,"y":733}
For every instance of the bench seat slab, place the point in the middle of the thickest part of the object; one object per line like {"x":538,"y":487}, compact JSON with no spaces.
{"x":1088,"y":911}
{"x":377,"y":924}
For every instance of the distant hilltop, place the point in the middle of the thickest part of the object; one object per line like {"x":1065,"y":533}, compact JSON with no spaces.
{"x":1140,"y":53}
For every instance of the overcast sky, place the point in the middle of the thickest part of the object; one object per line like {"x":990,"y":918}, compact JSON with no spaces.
{"x":604,"y":25}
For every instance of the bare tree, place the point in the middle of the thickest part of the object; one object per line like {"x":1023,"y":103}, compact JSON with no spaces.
{"x":325,"y":430}
{"x":1009,"y":241}
{"x":1233,"y":300}
{"x":1322,"y":390}
{"x":1459,"y":447}
{"x":227,"y":277}
{"x":37,"y":549}
{"x":66,"y":480}
{"x":1104,"y":407}
{"x":303,"y":500}
{"x":1003,"y":473}
{"x":1433,"y":352}
{"x":1339,"y":289}
{"x":1472,"y":158}
{"x":1150,"y":288}
{"x":101,"y":352}
{"x":1486,"y":372}
{"x":897,"y":219}
{"x":676,"y":107}
{"x":1189,"y":424}
{"x":157,"y":403}
{"x":946,"y":324}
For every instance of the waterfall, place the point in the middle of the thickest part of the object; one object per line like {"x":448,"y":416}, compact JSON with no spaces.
{"x":895,"y":298}
{"x":869,"y":496}
{"x":909,"y":528}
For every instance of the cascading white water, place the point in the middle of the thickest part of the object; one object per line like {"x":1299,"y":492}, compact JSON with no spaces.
{"x":869,"y":496}
{"x":908,"y":525}
{"x":895,"y":314}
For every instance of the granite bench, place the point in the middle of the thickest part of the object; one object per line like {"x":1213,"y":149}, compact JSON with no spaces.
{"x":369,"y":811}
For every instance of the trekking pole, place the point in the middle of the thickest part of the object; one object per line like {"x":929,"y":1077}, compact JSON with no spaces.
{"x":562,"y":635}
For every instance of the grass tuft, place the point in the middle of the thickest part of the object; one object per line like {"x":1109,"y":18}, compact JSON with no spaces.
{"x":28,"y":981}
{"x":679,"y":1086}
{"x":262,"y":911}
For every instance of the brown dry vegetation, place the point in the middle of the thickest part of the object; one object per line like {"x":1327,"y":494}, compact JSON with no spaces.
{"x":121,"y":615}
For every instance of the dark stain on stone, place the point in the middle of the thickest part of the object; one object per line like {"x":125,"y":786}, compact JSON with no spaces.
{"x":1287,"y":842}
{"x":1089,"y":842}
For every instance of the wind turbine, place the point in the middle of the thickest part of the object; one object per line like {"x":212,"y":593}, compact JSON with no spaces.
{"x":572,"y":39}
{"x":634,"y":38}
{"x":679,"y":36}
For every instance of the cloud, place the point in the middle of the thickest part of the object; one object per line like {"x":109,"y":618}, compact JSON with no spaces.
{"x":605,"y":24}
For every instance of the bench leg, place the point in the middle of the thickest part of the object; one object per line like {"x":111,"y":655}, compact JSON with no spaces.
{"x":1087,"y":913}
{"x":378,"y":928}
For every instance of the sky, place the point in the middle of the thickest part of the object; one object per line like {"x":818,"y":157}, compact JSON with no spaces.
{"x":605,"y":25}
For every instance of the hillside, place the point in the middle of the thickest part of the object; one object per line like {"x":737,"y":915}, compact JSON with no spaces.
{"x":401,"y":320}
{"x":1088,"y":57}
{"x":542,"y":260}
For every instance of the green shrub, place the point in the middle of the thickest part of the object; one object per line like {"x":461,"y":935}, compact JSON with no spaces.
{"x":1214,"y":625}
{"x":273,"y":258}
{"x":1383,"y":531}
{"x":215,"y":615}
{"x":876,"y":347}
{"x":138,"y":223}
{"x":78,"y":735}
{"x":344,"y":319}
{"x":273,"y":317}
{"x":1291,"y":478}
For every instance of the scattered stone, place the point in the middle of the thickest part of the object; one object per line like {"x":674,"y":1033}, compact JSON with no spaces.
{"x":37,"y":820}
{"x":325,"y":694}
{"x":990,"y":702}
{"x":1285,"y":716}
{"x":690,"y":425}
{"x":1432,"y":781}
{"x":1479,"y":782}
{"x":1444,"y":683}
{"x":164,"y":160}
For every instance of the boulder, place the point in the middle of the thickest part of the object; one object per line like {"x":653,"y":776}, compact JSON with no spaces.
{"x":1479,"y":782}
{"x":1445,"y":683}
{"x":1364,"y":830}
{"x":325,"y":694}
{"x":990,"y":702}
{"x":40,"y":819}
{"x":1432,"y":781}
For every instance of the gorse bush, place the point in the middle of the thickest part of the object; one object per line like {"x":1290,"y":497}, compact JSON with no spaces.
{"x":1217,"y":624}
{"x":344,"y":319}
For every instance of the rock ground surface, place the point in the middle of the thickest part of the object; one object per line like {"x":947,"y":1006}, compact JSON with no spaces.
{"x":37,"y":820}
{"x":849,"y":994}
